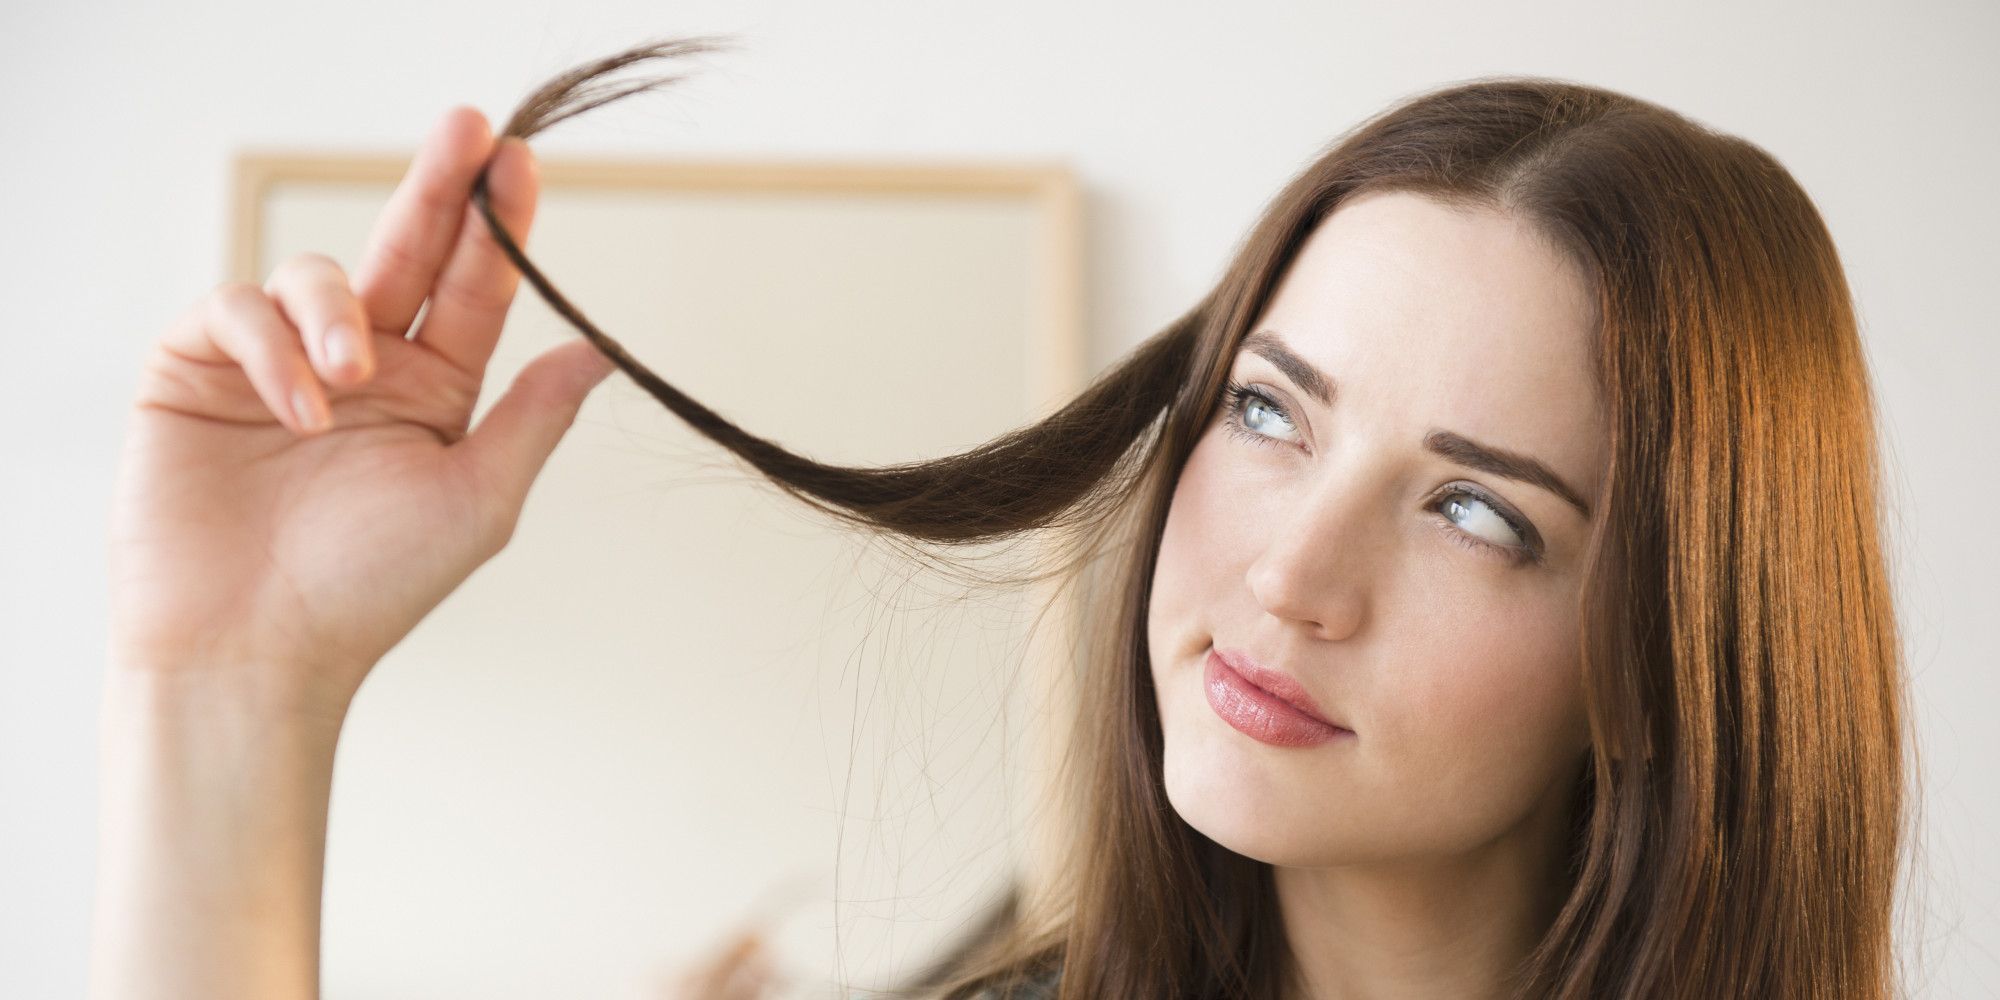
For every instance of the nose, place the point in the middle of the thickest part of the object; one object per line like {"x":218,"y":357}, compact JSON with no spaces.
{"x":1315,"y":566}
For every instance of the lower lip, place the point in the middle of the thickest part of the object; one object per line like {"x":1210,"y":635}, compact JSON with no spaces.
{"x":1257,"y":713}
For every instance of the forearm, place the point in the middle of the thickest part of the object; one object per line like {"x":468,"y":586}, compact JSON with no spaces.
{"x":212,"y":841}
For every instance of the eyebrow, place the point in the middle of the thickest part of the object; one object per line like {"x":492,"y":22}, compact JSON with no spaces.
{"x":1452,"y":446}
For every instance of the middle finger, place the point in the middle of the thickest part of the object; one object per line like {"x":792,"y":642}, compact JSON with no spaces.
{"x":469,"y":303}
{"x":415,"y":234}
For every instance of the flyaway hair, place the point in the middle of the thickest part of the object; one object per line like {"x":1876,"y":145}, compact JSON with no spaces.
{"x":1041,"y":477}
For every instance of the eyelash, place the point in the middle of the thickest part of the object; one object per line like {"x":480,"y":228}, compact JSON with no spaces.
{"x":1239,"y":396}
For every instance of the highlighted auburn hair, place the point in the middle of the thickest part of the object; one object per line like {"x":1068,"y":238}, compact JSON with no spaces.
{"x":1739,"y":818}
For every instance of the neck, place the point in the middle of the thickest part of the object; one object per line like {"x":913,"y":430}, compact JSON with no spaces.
{"x":1426,"y":927}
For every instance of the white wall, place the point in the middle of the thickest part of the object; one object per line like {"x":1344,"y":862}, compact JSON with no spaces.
{"x":120,"y":119}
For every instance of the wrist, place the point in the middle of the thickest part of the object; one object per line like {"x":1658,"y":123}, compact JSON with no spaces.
{"x":212,"y":836}
{"x":192,"y":694}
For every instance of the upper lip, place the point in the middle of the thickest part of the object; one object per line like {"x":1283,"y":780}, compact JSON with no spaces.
{"x":1276,"y":683}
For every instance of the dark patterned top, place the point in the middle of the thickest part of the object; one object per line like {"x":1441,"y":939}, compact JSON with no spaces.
{"x":1042,"y":987}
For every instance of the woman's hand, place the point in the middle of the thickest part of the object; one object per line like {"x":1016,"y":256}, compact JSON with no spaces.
{"x":256,"y":548}
{"x":740,"y":969}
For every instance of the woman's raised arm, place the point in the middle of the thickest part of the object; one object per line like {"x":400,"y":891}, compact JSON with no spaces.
{"x":263,"y":559}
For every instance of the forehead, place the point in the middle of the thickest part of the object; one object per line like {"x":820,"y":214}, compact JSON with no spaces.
{"x":1431,"y":316}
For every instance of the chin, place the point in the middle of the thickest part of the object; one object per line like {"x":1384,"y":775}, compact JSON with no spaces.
{"x":1263,"y":808}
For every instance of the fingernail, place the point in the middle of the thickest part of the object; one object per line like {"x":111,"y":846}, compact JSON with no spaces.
{"x":312,"y":415}
{"x":341,"y":348}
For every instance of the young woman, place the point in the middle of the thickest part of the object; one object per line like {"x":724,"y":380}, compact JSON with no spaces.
{"x":1504,"y":613}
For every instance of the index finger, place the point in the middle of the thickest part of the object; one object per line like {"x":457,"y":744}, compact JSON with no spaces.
{"x":420,"y":224}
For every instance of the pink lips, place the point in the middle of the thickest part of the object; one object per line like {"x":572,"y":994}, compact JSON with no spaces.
{"x":1263,"y":704}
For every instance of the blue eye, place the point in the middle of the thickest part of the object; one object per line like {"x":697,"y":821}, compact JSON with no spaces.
{"x":1464,"y":512}
{"x":1249,"y":411}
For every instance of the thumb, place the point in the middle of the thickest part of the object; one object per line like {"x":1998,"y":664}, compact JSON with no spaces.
{"x":516,"y":437}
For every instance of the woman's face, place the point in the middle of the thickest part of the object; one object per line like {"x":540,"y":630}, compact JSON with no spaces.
{"x":1423,"y":598}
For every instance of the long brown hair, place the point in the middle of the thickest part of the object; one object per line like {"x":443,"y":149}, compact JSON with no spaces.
{"x":1739,"y":818}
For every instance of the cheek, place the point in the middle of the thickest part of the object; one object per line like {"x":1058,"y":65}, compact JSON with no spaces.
{"x":1494,"y":714}
{"x":1198,"y":548}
